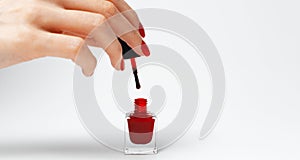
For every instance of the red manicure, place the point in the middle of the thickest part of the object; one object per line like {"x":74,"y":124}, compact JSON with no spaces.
{"x":142,"y":30}
{"x":145,"y":49}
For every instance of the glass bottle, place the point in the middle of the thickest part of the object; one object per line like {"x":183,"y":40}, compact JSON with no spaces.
{"x":140,"y":132}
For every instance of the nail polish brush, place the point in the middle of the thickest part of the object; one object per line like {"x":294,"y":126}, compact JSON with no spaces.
{"x":128,"y":53}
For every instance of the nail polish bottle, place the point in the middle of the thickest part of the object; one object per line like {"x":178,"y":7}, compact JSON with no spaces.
{"x":140,"y":132}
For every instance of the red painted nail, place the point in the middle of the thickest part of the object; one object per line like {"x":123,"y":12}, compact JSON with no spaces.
{"x":145,"y":49}
{"x":142,"y":30}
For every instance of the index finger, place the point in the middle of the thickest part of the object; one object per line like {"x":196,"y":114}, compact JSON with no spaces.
{"x":130,"y":14}
{"x":94,"y":5}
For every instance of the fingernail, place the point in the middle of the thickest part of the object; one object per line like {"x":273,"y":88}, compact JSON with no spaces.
{"x":86,"y":61}
{"x":142,"y":30}
{"x":145,"y":49}
{"x":122,"y":65}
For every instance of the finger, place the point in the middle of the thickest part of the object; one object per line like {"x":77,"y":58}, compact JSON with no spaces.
{"x":130,"y":14}
{"x":61,"y":20}
{"x":64,"y":46}
{"x":114,"y":51}
{"x":110,"y":45}
{"x":103,"y":7}
{"x":88,"y":25}
{"x":120,"y":25}
{"x":123,"y":28}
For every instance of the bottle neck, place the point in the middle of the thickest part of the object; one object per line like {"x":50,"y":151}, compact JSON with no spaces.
{"x":140,"y":105}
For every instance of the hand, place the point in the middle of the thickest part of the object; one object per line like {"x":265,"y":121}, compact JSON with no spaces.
{"x":32,"y":29}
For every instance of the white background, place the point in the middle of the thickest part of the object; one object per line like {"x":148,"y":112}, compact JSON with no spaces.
{"x":258,"y":42}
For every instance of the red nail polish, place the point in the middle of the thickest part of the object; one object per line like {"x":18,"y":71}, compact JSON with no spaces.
{"x":122,"y":65}
{"x":142,"y":30}
{"x":140,"y":130}
{"x":145,"y":49}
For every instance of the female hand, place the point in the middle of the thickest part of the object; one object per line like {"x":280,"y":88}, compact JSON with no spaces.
{"x":32,"y":29}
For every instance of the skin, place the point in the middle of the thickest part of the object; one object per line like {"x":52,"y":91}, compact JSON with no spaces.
{"x":33,"y":29}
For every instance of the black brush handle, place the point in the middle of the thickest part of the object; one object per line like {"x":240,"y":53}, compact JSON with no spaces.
{"x":127,"y":51}
{"x":137,"y":81}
